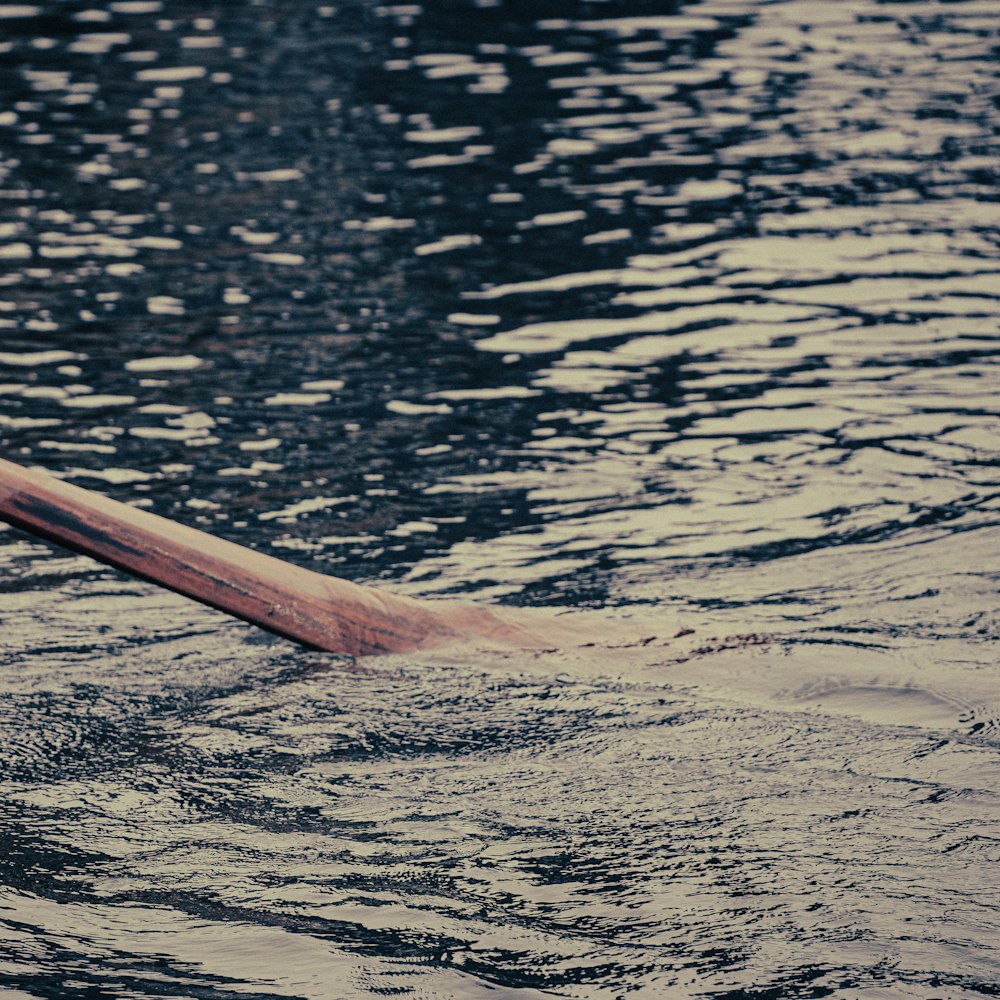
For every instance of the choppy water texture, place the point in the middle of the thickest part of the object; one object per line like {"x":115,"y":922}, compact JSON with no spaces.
{"x":686,"y":315}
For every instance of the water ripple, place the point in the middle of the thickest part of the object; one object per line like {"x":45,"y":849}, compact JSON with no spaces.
{"x":687,"y":316}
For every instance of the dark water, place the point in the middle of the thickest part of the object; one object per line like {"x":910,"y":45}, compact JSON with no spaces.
{"x":687,"y":315}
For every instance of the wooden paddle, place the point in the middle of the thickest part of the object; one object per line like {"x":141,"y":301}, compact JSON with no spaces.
{"x":319,"y":611}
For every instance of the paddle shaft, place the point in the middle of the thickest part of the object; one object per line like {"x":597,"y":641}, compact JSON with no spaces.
{"x":319,"y":611}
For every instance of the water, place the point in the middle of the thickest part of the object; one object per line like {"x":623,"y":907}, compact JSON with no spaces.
{"x":683,"y":315}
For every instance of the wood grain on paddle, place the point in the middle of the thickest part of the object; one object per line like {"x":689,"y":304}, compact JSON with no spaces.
{"x":320,"y":611}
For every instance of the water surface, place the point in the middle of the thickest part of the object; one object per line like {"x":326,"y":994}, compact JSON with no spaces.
{"x":685,"y":315}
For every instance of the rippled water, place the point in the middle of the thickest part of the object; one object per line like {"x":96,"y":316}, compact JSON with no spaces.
{"x":686,"y":315}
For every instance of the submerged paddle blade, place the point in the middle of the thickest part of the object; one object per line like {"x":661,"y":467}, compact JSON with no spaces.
{"x":320,"y":611}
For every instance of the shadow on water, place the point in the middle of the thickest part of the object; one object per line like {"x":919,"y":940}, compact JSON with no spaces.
{"x":682,"y":314}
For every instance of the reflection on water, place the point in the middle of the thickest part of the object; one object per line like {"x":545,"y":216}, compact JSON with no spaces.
{"x":686,"y":313}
